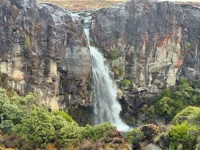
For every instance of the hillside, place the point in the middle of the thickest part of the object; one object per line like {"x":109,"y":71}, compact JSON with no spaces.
{"x":74,"y":5}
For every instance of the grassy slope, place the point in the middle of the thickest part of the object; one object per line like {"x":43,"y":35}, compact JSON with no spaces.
{"x":74,"y":5}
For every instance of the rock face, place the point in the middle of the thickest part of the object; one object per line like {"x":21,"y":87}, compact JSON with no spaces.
{"x":43,"y":50}
{"x":159,"y":42}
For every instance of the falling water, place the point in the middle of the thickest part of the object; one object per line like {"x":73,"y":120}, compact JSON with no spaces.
{"x":106,"y":106}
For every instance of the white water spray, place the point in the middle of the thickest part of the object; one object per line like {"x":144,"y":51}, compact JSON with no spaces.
{"x":106,"y":106}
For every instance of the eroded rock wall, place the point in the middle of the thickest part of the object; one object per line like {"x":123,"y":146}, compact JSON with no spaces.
{"x":158,"y":41}
{"x":43,"y":50}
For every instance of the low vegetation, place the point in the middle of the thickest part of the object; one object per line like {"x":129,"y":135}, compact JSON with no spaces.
{"x":27,"y":122}
{"x":180,"y":106}
{"x":173,"y":100}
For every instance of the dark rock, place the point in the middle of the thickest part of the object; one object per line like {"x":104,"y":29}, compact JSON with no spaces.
{"x":42,"y":51}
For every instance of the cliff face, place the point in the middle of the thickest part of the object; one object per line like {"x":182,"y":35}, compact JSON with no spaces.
{"x":157,"y":42}
{"x":43,"y":50}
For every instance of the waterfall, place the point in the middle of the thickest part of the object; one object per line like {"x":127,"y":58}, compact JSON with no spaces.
{"x":106,"y":106}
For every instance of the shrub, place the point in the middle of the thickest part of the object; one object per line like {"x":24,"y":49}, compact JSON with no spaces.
{"x":70,"y":132}
{"x":190,"y":114}
{"x":64,"y":115}
{"x":113,"y":54}
{"x":36,"y":126}
{"x":97,"y":132}
{"x":126,"y":83}
{"x":135,"y":136}
{"x":187,"y":46}
{"x":27,"y":43}
{"x":118,"y":71}
{"x":166,"y":92}
{"x":184,"y":134}
{"x":168,"y":107}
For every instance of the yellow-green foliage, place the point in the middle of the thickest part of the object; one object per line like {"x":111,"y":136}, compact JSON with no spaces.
{"x":113,"y":54}
{"x":98,"y":131}
{"x":187,"y":46}
{"x":27,"y":43}
{"x":126,"y":83}
{"x":173,"y":100}
{"x":191,"y":114}
{"x":33,"y":123}
{"x":135,"y":136}
{"x":184,"y":134}
{"x":64,"y":115}
{"x":185,"y":128}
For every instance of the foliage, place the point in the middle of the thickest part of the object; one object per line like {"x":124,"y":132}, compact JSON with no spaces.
{"x":96,"y":132}
{"x":27,"y":43}
{"x":184,"y":134}
{"x":174,"y":99}
{"x":64,"y":115}
{"x":135,"y":136}
{"x":168,"y":107}
{"x":113,"y":54}
{"x":118,"y":71}
{"x":36,"y":126}
{"x":191,"y":114}
{"x":166,"y":92}
{"x":126,"y":83}
{"x":187,"y":46}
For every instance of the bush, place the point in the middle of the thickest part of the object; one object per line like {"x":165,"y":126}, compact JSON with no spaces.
{"x":166,"y":92}
{"x":190,"y":114}
{"x":96,"y":132}
{"x":70,"y":132}
{"x":126,"y":83}
{"x":113,"y":54}
{"x":36,"y":126}
{"x":168,"y":107}
{"x":187,"y":46}
{"x":64,"y":115}
{"x":184,"y":134}
{"x":27,"y":43}
{"x":135,"y":136}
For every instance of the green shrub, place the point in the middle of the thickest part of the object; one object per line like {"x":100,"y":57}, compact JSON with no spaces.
{"x":70,"y":132}
{"x":27,"y":43}
{"x":135,"y":136}
{"x":168,"y":107}
{"x":166,"y":92}
{"x":191,"y":114}
{"x":126,"y":83}
{"x":36,"y":126}
{"x":97,"y":132}
{"x":63,"y":114}
{"x":184,"y":134}
{"x":187,"y":46}
{"x":113,"y":54}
